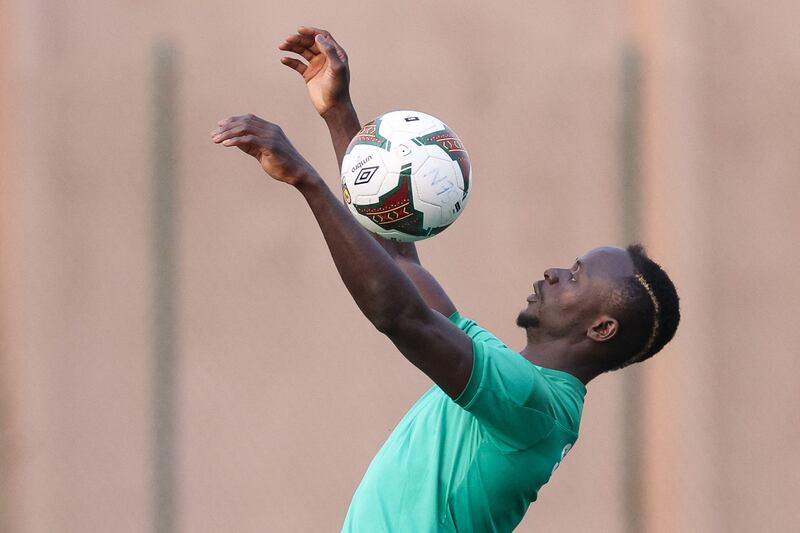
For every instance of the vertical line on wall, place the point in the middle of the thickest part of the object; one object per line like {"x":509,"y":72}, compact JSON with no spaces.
{"x":630,"y":202}
{"x":9,"y":432}
{"x":164,"y":202}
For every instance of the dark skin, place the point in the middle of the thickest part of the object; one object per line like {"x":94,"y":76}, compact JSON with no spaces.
{"x":327,"y":78}
{"x":564,"y":320}
{"x":385,"y":295}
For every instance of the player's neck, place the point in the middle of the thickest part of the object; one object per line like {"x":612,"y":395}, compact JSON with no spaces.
{"x":560,"y":354}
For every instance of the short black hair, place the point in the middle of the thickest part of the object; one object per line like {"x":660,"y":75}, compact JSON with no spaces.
{"x":647,"y":308}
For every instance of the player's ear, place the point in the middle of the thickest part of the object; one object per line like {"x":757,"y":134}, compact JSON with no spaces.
{"x":603,"y":329}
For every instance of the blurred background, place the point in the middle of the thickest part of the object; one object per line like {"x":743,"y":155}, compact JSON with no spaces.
{"x":178,"y":354}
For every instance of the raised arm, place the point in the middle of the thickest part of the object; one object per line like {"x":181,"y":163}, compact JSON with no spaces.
{"x":385,"y":295}
{"x":326,"y":73}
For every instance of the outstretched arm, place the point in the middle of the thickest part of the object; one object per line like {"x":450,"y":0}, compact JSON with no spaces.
{"x":385,"y":295}
{"x":327,"y":78}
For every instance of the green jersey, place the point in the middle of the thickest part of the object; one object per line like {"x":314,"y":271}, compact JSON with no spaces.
{"x":475,"y":463}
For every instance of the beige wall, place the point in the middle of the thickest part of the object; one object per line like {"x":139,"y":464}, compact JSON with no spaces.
{"x":284,"y":390}
{"x":724,"y":177}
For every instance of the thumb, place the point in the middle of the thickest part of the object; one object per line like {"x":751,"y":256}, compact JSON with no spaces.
{"x":327,"y":48}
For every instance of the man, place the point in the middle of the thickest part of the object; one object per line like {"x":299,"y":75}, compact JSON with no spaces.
{"x":474,"y":450}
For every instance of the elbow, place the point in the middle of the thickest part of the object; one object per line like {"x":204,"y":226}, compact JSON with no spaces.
{"x":393,"y":322}
{"x":386,"y":323}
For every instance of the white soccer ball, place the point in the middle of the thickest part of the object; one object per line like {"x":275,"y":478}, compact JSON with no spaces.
{"x":406,"y":176}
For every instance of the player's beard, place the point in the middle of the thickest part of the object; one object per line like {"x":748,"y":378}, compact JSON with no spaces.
{"x":525,"y":320}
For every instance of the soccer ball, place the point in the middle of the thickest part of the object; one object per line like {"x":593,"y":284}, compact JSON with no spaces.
{"x":406,"y":176}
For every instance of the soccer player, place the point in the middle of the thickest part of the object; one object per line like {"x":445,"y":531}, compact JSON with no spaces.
{"x":472,"y":453}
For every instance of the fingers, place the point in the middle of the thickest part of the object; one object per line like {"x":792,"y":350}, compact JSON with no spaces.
{"x":312,"y":31}
{"x":309,"y":32}
{"x":336,"y":61}
{"x":290,"y":62}
{"x":241,"y":140}
{"x":297,"y":48}
{"x":224,"y":135}
{"x":302,"y":41}
{"x":305,"y":43}
{"x":225,"y":126}
{"x":238,"y":127}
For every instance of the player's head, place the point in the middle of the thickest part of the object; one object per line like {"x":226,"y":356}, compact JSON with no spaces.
{"x":617,"y":302}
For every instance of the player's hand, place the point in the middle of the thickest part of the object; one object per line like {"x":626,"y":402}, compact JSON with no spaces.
{"x":326,"y":73}
{"x":268,"y":144}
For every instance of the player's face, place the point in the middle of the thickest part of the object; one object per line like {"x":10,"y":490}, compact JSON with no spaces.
{"x":568,"y":300}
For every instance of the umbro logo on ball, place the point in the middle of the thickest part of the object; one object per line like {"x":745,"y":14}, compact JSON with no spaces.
{"x":365,"y":175}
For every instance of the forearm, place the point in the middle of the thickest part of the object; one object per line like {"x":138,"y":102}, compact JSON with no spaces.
{"x":379,"y":287}
{"x":343,"y":125}
{"x":387,"y":297}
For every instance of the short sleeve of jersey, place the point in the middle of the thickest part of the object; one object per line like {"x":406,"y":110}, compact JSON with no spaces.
{"x":506,"y":393}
